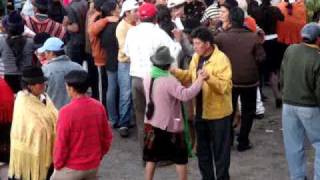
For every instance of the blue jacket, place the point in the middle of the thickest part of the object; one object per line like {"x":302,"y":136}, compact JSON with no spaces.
{"x":55,"y":71}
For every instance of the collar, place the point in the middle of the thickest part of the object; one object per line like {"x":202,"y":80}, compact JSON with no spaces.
{"x":41,"y":16}
{"x":59,"y":58}
{"x":214,"y":53}
{"x":312,"y":45}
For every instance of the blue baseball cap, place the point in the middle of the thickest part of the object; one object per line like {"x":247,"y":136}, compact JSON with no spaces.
{"x":52,"y":44}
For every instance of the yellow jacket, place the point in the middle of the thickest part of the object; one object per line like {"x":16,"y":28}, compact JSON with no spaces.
{"x":217,"y":90}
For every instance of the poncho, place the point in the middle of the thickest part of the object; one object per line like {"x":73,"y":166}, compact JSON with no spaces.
{"x":32,"y":137}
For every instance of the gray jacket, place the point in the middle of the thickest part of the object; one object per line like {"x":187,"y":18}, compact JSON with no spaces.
{"x":55,"y":71}
{"x":8,"y":61}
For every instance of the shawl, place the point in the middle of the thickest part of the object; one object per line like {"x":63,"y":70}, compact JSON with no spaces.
{"x":32,"y":137}
{"x":6,"y":102}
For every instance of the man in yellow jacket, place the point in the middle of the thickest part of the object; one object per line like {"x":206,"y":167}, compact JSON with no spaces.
{"x":213,"y":105}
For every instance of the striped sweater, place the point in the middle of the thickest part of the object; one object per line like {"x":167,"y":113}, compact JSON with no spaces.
{"x":45,"y":24}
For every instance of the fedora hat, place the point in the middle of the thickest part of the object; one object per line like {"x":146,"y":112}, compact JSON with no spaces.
{"x":33,"y":75}
{"x":162,"y":56}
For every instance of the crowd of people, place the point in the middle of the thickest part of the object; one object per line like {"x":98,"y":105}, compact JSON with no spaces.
{"x":184,"y":73}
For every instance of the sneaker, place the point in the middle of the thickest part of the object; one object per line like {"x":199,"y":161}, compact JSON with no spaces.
{"x":124,"y":131}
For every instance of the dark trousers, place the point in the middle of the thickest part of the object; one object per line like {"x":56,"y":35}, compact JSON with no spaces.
{"x":213,"y":148}
{"x":139,"y":103}
{"x":248,"y":98}
{"x":93,"y":77}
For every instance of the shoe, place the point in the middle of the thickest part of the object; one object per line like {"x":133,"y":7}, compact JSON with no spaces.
{"x":278,"y":103}
{"x":124,"y":131}
{"x":115,"y":126}
{"x":242,"y":148}
{"x":259,"y":116}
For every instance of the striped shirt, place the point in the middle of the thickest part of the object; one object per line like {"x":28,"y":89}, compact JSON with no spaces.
{"x":212,"y":12}
{"x":45,"y":24}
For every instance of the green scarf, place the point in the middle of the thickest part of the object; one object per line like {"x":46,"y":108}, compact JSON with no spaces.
{"x":157,"y":73}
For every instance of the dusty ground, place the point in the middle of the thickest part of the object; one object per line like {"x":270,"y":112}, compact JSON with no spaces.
{"x":266,"y":161}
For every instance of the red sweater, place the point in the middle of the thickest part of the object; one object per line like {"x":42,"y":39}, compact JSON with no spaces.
{"x":83,"y":135}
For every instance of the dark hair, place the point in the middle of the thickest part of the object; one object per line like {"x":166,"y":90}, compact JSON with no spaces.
{"x":316,"y":16}
{"x":266,"y":3}
{"x":164,"y":19}
{"x":78,"y":80}
{"x":58,"y":53}
{"x":149,"y":19}
{"x":203,"y":33}
{"x":42,"y":10}
{"x":56,"y":11}
{"x":289,"y":7}
{"x":80,"y":88}
{"x":107,"y":7}
{"x":15,"y":40}
{"x":308,"y":41}
{"x":236,"y":17}
{"x":163,"y":67}
{"x":229,"y":4}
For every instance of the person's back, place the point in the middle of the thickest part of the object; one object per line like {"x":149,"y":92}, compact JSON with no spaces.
{"x":85,"y":121}
{"x":295,"y":18}
{"x":300,"y":73}
{"x":8,"y":59}
{"x":244,"y":51}
{"x":55,"y":70}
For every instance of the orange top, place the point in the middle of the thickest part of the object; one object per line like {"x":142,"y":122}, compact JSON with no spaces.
{"x":250,"y":23}
{"x":94,"y":30}
{"x":289,"y":30}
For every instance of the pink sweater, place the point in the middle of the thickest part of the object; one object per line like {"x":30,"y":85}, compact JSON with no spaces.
{"x":167,"y":94}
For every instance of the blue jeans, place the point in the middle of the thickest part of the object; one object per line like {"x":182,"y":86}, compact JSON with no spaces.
{"x":112,"y":96}
{"x":297,"y":123}
{"x":119,"y":81}
{"x":125,"y":98}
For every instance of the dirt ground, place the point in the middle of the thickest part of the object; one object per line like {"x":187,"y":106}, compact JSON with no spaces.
{"x":266,"y":161}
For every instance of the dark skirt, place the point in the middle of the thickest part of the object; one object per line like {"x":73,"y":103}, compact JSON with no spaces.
{"x":160,"y":145}
{"x":5,"y":142}
{"x":274,"y":55}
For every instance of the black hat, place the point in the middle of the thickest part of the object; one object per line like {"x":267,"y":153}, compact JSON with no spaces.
{"x":39,"y":39}
{"x":40,"y":4}
{"x":13,"y":22}
{"x":162,"y":56}
{"x":76,"y":77}
{"x":33,"y":75}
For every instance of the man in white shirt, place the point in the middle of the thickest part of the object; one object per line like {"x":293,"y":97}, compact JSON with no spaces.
{"x":141,"y":43}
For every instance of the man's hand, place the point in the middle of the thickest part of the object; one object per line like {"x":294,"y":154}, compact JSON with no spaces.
{"x":177,"y":35}
{"x":112,"y":18}
{"x":202,"y":74}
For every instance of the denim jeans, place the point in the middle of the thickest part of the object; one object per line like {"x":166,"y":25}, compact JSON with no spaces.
{"x":213,"y":148}
{"x":112,"y":97}
{"x":125,"y":99}
{"x":297,"y":123}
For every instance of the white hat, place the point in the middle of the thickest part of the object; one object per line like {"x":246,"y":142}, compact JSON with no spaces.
{"x":174,"y":3}
{"x":129,"y":5}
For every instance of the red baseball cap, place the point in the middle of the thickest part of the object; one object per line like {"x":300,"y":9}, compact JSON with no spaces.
{"x":147,"y":10}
